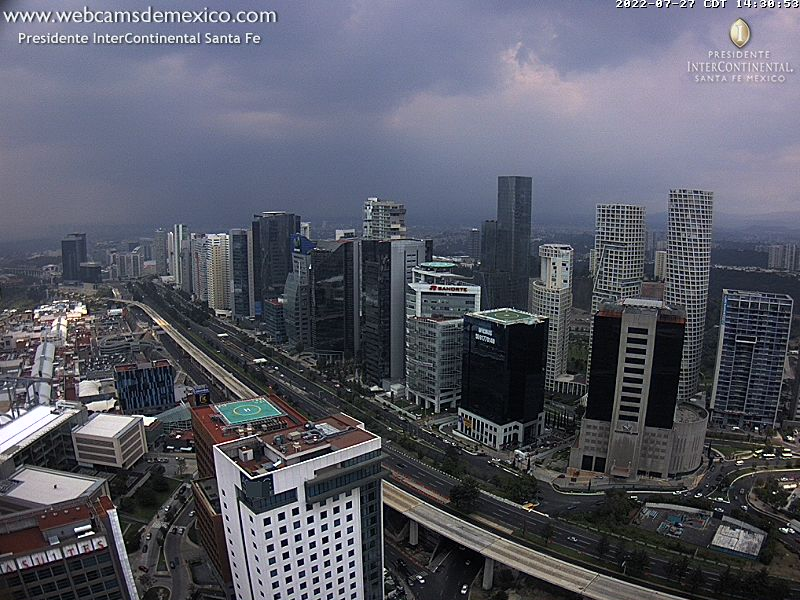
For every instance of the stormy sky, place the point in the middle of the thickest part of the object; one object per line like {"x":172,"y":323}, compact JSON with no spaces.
{"x":417,"y":101}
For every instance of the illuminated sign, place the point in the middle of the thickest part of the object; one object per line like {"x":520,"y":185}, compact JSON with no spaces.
{"x":485,"y":335}
{"x":448,"y":288}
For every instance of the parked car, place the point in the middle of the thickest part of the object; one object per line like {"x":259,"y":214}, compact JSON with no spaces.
{"x":149,"y":535}
{"x":192,"y":514}
{"x":464,"y":589}
{"x":420,"y":578}
{"x":143,"y":568}
{"x":181,"y":530}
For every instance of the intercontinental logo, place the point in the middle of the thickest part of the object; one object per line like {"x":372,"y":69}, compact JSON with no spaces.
{"x":739,"y":66}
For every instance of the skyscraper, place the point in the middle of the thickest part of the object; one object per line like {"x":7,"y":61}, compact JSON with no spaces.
{"x":218,"y":271}
{"x":180,"y":241}
{"x":783,"y":257}
{"x":753,"y":339}
{"x":195,"y":266}
{"x":688,"y":268}
{"x":302,"y":509}
{"x":551,"y":296}
{"x":660,"y":266}
{"x":297,"y":293}
{"x":160,"y":252}
{"x":514,"y":198}
{"x":474,"y":243}
{"x":384,"y":220}
{"x":437,"y":301}
{"x":385,"y":273}
{"x":73,"y":253}
{"x":502,"y":377}
{"x":272,"y":254}
{"x":634,"y":424}
{"x":335,"y":299}
{"x":240,"y":272}
{"x":505,"y":246}
{"x":618,"y":256}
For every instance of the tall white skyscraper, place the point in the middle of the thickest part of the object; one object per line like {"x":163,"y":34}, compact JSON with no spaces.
{"x":384,"y":220}
{"x":660,"y":267}
{"x":619,"y":245}
{"x":218,"y":271}
{"x":551,"y":296}
{"x":301,"y":506}
{"x":688,"y":268}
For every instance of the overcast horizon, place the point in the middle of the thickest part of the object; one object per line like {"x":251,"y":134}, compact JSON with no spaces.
{"x":423,"y":104}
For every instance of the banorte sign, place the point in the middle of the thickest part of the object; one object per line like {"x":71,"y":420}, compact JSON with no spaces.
{"x":447,"y":288}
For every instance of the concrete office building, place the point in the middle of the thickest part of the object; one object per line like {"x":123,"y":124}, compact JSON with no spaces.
{"x":551,"y":296}
{"x":436,"y":303}
{"x":218,"y":272}
{"x":688,"y":269}
{"x":302,"y":512}
{"x":502,"y":377}
{"x":634,"y":424}
{"x":660,"y":266}
{"x":145,"y":388}
{"x":73,"y":253}
{"x":474,"y":243}
{"x":109,"y":440}
{"x":272,"y":255}
{"x":753,"y":338}
{"x":386,"y":267}
{"x":61,"y":539}
{"x":240,"y":272}
{"x":128,"y":265}
{"x":384,"y":220}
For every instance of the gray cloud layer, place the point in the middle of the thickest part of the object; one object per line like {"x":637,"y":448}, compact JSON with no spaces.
{"x":417,"y":101}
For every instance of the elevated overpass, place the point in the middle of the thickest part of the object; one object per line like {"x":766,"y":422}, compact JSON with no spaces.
{"x":587,"y":583}
{"x":238,"y":390}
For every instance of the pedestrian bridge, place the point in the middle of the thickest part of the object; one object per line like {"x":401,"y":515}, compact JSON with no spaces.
{"x":587,"y":583}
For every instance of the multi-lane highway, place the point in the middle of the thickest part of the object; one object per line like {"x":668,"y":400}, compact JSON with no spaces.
{"x":317,"y":398}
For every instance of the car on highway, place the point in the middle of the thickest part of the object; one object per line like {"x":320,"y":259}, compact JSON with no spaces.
{"x":529,"y":506}
{"x":698,"y":495}
{"x":149,"y":535}
{"x":572,"y":539}
{"x":464,"y":589}
{"x":744,"y":507}
{"x":739,"y":463}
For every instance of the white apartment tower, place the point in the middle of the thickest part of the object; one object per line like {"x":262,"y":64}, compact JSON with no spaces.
{"x":619,"y":245}
{"x":302,"y":511}
{"x":688,"y":268}
{"x":384,"y":220}
{"x":218,"y":271}
{"x":551,"y":296}
{"x":180,"y":237}
{"x":436,"y":302}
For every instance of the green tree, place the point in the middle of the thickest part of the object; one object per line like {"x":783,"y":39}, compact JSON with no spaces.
{"x":146,"y":497}
{"x":465,"y":494}
{"x":639,"y":562}
{"x":158,"y":483}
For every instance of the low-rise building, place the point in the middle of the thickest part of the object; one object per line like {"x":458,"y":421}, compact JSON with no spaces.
{"x":110,"y":440}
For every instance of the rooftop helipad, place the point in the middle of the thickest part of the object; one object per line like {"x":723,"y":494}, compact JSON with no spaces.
{"x":242,"y":412}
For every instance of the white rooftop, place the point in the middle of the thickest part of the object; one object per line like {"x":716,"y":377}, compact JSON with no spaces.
{"x":32,"y":425}
{"x":45,"y":486}
{"x":105,"y":425}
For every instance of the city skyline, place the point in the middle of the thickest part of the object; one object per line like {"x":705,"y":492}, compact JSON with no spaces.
{"x":532,"y":90}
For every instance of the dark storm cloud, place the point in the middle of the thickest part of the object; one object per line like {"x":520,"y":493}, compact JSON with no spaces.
{"x":422,"y":102}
